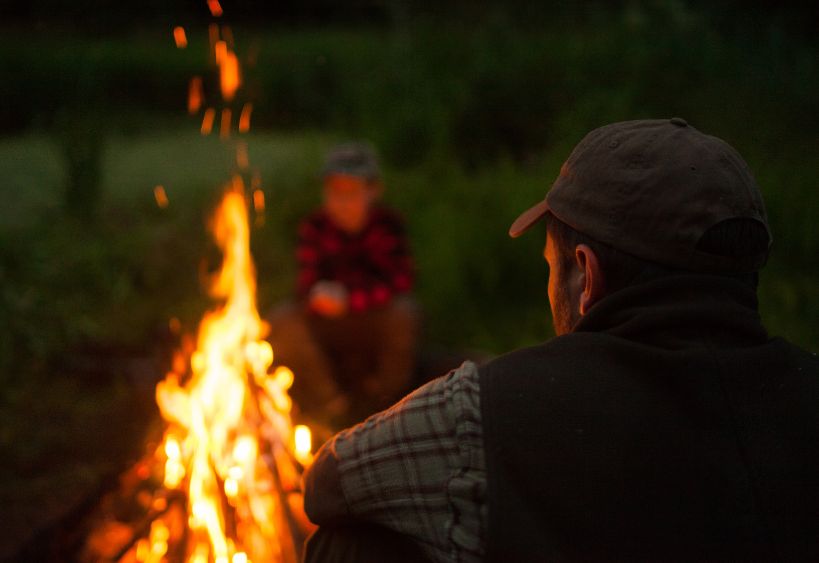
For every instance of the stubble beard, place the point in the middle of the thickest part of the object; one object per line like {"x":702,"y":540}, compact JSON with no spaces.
{"x":564,"y":314}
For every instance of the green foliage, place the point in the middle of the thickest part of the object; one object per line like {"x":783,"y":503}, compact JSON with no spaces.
{"x":473,"y":122}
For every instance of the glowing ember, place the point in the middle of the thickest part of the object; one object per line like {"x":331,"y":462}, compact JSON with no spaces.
{"x":229,"y":79}
{"x":196,"y":95}
{"x":244,"y":118}
{"x":215,"y":8}
{"x":230,"y":443}
{"x":179,"y":37}
{"x":207,"y":121}
{"x":258,"y":201}
{"x":161,"y":197}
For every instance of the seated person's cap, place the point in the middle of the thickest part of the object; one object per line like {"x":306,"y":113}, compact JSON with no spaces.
{"x":652,"y":188}
{"x":352,"y":159}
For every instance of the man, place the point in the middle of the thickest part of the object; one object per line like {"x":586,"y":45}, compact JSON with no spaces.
{"x":351,"y":334}
{"x":662,"y":423}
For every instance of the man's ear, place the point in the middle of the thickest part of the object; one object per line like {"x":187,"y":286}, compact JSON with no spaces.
{"x":594,"y":287}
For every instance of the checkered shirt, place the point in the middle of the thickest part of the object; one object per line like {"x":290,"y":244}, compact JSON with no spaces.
{"x":374,"y":264}
{"x":417,"y":468}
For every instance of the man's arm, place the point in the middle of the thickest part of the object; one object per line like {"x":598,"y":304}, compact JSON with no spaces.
{"x":411,"y":468}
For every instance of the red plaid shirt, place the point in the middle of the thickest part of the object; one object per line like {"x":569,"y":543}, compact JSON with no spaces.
{"x":373,"y":264}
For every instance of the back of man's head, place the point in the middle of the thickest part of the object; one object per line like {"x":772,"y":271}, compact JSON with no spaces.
{"x":656,"y":197}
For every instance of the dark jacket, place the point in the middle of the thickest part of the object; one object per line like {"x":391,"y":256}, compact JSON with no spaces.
{"x":666,"y":426}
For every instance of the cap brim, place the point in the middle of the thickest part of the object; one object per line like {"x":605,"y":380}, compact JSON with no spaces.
{"x":528,"y":218}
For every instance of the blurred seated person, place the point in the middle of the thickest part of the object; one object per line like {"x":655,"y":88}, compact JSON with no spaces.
{"x":350,"y":336}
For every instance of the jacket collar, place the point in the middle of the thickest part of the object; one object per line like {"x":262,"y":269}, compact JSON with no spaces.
{"x":679,"y":312}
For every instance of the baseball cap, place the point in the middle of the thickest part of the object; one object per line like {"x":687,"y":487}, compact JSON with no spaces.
{"x":653,"y":188}
{"x":352,"y":159}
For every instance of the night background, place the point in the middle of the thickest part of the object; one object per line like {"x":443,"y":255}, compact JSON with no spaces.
{"x":473,"y":106}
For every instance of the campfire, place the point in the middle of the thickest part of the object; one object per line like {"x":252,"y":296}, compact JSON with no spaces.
{"x":230,"y":445}
{"x":222,"y":485}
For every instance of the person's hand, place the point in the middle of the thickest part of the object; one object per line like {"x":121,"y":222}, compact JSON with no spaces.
{"x":328,"y":299}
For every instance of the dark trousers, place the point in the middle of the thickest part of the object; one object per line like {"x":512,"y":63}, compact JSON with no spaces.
{"x":367,"y":357}
{"x":360,"y":543}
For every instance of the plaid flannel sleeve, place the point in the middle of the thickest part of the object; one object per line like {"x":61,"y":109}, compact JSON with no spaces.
{"x":417,"y":468}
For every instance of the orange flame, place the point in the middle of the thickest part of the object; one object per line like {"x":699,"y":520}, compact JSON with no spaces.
{"x":196,"y":95}
{"x":230,"y":441}
{"x":179,"y":37}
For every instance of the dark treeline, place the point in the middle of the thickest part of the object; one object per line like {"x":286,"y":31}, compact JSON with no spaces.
{"x":799,"y":16}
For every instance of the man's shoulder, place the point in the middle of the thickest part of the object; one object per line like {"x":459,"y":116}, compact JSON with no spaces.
{"x":573,"y":347}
